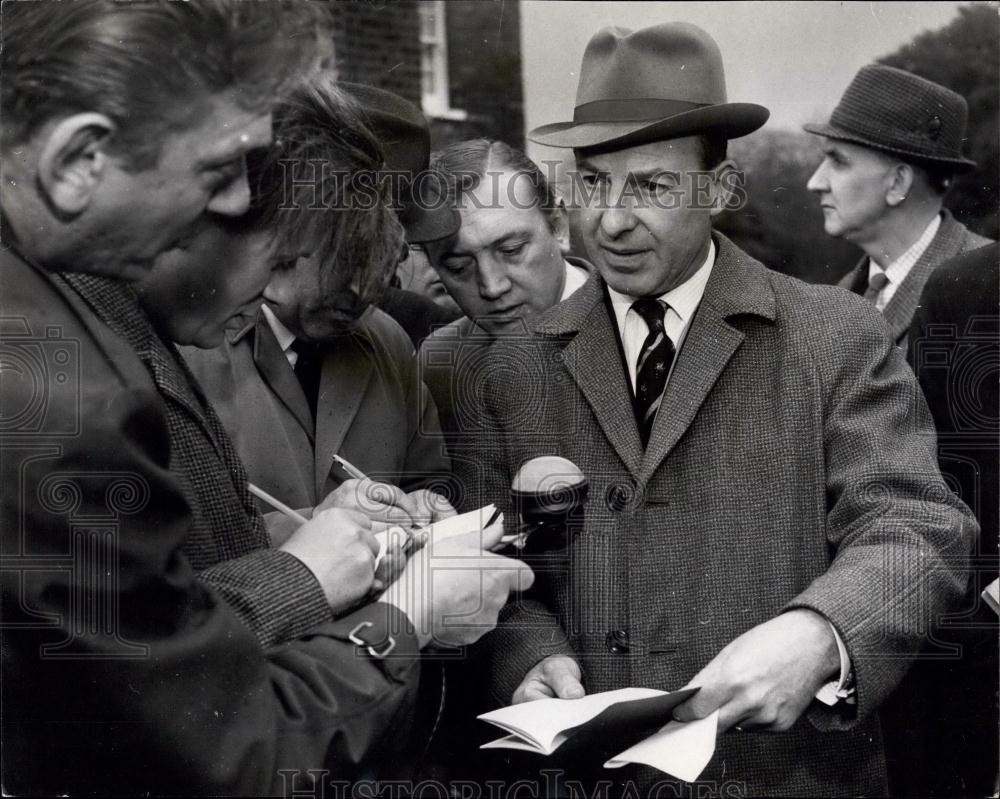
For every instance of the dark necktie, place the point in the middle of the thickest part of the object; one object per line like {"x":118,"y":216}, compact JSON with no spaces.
{"x":876,"y":282}
{"x":654,"y":362}
{"x":307,"y":370}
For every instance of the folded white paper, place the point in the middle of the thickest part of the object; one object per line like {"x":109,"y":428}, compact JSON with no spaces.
{"x":680,"y":749}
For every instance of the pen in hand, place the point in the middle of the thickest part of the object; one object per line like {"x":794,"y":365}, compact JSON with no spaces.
{"x":350,"y":468}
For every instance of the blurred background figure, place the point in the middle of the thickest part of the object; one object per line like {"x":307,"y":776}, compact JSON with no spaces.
{"x":947,"y":741}
{"x":415,"y":297}
{"x":415,"y":273}
{"x":891,"y":148}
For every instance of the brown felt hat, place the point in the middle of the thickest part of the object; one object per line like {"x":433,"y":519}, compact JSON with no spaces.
{"x":661,"y":82}
{"x":898,"y":112}
{"x":422,"y":205}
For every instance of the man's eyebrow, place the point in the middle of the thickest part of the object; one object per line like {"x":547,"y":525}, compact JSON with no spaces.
{"x":511,"y":235}
{"x":585,"y":164}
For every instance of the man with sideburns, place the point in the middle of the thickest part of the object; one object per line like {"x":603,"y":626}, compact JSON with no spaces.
{"x":765,"y":517}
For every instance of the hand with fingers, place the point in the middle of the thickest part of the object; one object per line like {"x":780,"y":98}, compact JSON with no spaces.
{"x":555,"y":676}
{"x":453,"y":590}
{"x":338,"y":546}
{"x":766,"y":678}
{"x":383,"y":502}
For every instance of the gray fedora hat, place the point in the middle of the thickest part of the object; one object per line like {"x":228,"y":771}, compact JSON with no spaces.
{"x":661,"y":82}
{"x":898,"y":112}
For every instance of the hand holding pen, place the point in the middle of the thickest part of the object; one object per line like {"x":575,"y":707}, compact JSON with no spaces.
{"x":384,"y":502}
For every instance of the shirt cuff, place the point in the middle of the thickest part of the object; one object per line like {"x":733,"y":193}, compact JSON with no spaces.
{"x":842,"y":689}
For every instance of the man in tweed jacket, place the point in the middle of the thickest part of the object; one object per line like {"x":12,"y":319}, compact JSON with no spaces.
{"x":782,"y":522}
{"x":891,"y":149}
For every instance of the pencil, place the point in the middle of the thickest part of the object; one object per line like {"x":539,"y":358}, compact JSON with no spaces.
{"x":276,"y":504}
{"x":350,"y":468}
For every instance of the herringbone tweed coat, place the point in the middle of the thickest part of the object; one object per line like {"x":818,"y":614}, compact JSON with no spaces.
{"x":122,"y":672}
{"x":272,"y":592}
{"x":951,"y":239}
{"x":791,"y":465}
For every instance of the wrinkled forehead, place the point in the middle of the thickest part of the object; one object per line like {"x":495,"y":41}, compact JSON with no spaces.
{"x":669,"y":154}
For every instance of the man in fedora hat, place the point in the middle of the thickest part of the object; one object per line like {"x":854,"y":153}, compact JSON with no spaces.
{"x":765,"y":517}
{"x":890,"y":151}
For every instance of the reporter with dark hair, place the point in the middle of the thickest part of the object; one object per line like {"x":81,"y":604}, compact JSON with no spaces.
{"x":321,"y":371}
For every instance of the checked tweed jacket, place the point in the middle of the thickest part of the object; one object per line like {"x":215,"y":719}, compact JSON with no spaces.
{"x":274,"y":594}
{"x":122,"y":672}
{"x":951,"y":239}
{"x":791,"y":465}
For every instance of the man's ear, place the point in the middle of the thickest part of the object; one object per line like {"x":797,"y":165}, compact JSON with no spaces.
{"x":728,"y":189}
{"x":559,"y":222}
{"x":73,"y":160}
{"x":899,"y":181}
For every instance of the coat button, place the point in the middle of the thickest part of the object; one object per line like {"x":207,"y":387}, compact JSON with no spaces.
{"x":617,"y":642}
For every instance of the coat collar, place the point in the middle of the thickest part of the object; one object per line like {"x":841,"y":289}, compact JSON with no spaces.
{"x":947,"y":243}
{"x":116,"y":304}
{"x":738,"y":286}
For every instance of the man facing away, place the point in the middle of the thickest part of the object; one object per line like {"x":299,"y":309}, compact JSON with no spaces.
{"x":890,"y":152}
{"x":123,"y":672}
{"x":765,"y":518}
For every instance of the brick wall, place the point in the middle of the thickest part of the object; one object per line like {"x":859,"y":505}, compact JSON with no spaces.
{"x":484,"y":70}
{"x":377,"y":42}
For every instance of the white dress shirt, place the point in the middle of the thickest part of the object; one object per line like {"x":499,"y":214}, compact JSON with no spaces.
{"x":576,"y":276}
{"x":284,"y":336}
{"x":682,"y":301}
{"x":897,"y":271}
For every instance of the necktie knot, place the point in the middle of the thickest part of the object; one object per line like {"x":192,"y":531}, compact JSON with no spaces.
{"x":878,"y":280}
{"x":652,"y":312}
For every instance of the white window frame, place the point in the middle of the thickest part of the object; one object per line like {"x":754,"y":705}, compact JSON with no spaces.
{"x":434,"y":58}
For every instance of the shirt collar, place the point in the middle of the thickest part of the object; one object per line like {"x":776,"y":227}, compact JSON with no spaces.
{"x":900,"y":268}
{"x":284,"y":336}
{"x":683,"y":299}
{"x":576,"y":276}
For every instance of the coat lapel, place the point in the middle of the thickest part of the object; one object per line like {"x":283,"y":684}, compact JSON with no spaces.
{"x":278,"y":374}
{"x":946,"y":244}
{"x":593,"y":361}
{"x":738,"y":286}
{"x":347,"y":370}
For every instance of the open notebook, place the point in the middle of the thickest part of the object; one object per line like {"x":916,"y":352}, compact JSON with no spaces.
{"x":600,"y":720}
{"x":446,"y":528}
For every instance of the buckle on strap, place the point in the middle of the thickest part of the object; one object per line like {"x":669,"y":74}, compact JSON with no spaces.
{"x":388,"y":643}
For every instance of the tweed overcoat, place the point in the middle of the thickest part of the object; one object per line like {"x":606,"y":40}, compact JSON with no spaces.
{"x":791,"y":465}
{"x":123,"y":673}
{"x":372,"y":409}
{"x":951,"y":239}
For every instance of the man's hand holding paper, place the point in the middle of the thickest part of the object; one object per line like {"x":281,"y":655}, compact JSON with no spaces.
{"x":767,"y":677}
